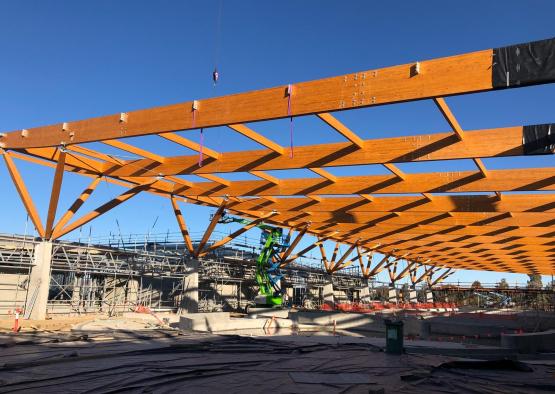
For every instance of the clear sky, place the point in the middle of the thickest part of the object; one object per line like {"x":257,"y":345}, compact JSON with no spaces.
{"x":69,"y":60}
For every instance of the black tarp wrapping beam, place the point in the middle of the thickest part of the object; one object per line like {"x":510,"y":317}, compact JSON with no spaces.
{"x":539,"y":139}
{"x":524,"y":64}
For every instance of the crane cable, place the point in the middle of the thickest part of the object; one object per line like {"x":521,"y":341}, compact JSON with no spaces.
{"x":217,"y":39}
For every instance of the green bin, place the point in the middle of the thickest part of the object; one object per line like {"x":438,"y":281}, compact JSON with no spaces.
{"x":393,"y":337}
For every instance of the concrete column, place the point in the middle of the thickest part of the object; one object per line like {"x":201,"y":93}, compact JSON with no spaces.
{"x":413,"y":296}
{"x":392,"y":294}
{"x":132,"y":291}
{"x":429,"y":296}
{"x":365,"y":293}
{"x":327,"y":292}
{"x":39,"y":282}
{"x":76,"y":295}
{"x":189,"y":302}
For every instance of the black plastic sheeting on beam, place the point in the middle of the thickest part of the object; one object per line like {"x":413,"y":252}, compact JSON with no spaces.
{"x":524,"y":64}
{"x":539,"y":139}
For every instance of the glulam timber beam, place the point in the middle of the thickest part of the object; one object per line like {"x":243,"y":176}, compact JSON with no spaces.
{"x":525,"y":219}
{"x":471,"y":72}
{"x":134,"y":150}
{"x":530,"y":202}
{"x":258,"y":138}
{"x":100,"y":210}
{"x":339,"y":263}
{"x":448,"y":272}
{"x":449,"y":117}
{"x":77,"y":204}
{"x":233,"y":235}
{"x":426,"y":274}
{"x":379,"y":267}
{"x":182,"y":225}
{"x":304,"y":251}
{"x":293,"y":244}
{"x":348,"y":263}
{"x":496,"y":142}
{"x":324,"y":257}
{"x":521,"y":180}
{"x":211,"y":226}
{"x":405,"y":271}
{"x":23,"y":193}
{"x":178,"y":139}
{"x":55,"y":193}
{"x":392,"y":270}
{"x":331,"y":262}
{"x":342,"y":129}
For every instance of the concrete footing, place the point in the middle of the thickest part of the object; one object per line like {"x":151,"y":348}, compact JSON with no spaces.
{"x":222,"y":321}
{"x":534,"y":342}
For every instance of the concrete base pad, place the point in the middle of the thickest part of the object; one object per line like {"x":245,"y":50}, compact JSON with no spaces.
{"x":533,"y":342}
{"x":269,"y":312}
{"x":221,"y":321}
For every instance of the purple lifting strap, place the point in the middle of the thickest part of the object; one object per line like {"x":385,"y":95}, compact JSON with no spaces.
{"x":200,"y":157}
{"x":289,"y":94}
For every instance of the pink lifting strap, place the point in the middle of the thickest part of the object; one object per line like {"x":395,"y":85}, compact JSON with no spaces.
{"x":289,"y":94}
{"x":200,"y":157}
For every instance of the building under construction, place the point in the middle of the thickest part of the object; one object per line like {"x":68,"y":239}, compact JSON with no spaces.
{"x":416,"y":228}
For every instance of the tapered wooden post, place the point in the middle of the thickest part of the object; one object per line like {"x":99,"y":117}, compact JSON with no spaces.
{"x":24,"y":193}
{"x":182,"y":225}
{"x":78,"y":203}
{"x":101,"y":210}
{"x":293,"y":244}
{"x":210,"y":228}
{"x":235,"y":234}
{"x":55,"y":194}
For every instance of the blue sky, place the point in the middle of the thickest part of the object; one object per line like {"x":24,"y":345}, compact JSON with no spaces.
{"x":68,"y":60}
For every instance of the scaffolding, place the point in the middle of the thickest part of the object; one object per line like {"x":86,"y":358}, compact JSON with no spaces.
{"x":111,"y":276}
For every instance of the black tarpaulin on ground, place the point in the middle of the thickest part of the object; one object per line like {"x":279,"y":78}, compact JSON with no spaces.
{"x":539,"y":139}
{"x":524,"y":64}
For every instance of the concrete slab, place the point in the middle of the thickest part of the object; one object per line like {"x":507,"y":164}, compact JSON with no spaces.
{"x":222,"y":321}
{"x":527,"y":343}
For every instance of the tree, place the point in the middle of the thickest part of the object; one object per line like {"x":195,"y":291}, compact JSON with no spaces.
{"x":535,"y":281}
{"x":502,"y":284}
{"x":476,"y":285}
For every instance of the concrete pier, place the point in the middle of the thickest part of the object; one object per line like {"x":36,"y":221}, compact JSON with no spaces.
{"x":429,"y":296}
{"x":39,"y":282}
{"x":189,"y":302}
{"x":392,"y":294}
{"x":365,"y":293}
{"x":327,"y":292}
{"x":413,"y":297}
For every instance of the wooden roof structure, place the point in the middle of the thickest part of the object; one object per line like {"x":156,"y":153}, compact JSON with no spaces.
{"x":500,"y":232}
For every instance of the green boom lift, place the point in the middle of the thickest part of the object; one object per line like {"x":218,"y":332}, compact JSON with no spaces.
{"x":268,"y":274}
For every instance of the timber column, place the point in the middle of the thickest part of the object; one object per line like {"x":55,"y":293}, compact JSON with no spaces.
{"x":189,"y":301}
{"x":39,"y":282}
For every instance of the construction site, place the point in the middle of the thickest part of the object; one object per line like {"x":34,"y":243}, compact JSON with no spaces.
{"x":312,"y":273}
